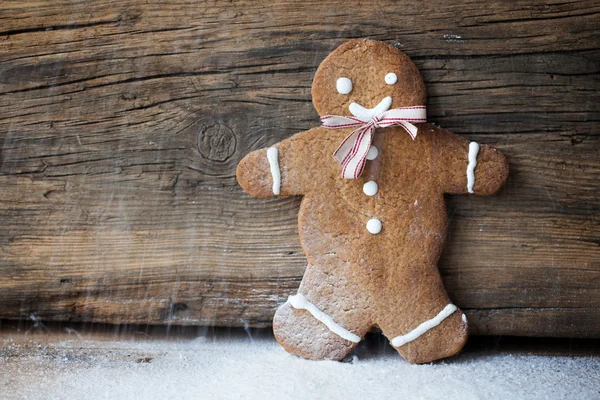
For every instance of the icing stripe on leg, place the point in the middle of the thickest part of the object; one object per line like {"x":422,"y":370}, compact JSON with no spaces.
{"x":401,"y":340}
{"x":299,"y":302}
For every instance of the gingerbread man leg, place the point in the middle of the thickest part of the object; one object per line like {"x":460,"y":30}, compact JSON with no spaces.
{"x":326,"y":319}
{"x":423,"y":325}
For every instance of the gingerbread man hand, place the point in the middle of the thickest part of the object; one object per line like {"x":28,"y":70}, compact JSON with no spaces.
{"x":372,"y":221}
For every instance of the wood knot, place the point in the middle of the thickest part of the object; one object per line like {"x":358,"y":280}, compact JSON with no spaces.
{"x":216,"y":141}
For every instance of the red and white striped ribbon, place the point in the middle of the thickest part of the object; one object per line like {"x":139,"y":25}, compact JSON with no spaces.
{"x":352,"y":152}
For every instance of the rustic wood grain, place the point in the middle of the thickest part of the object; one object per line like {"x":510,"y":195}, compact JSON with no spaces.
{"x":121,"y":124}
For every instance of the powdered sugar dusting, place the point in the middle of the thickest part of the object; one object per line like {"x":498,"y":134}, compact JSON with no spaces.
{"x":237,"y":367}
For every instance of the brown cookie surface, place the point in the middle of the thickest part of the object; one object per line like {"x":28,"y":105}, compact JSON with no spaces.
{"x":372,"y":243}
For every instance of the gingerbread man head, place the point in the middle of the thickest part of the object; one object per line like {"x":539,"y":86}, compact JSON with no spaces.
{"x":365,"y":78}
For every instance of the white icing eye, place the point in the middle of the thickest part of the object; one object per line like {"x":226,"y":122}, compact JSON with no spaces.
{"x":391,"y":78}
{"x":343,"y":85}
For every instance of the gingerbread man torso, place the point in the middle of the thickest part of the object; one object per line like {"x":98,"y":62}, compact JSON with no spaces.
{"x":397,"y":204}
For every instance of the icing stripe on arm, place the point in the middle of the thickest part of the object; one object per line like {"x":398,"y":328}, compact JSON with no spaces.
{"x":273,"y":157}
{"x":473,"y":151}
{"x":299,"y":302}
{"x":424,"y":327}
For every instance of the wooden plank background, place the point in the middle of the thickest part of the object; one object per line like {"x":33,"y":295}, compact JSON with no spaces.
{"x":121,"y":124}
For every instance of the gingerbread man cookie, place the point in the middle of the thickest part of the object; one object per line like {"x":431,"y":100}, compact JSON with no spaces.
{"x":373,"y":219}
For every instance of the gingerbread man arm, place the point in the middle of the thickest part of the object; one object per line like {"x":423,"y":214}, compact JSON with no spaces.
{"x":467,"y":167}
{"x":281,"y":170}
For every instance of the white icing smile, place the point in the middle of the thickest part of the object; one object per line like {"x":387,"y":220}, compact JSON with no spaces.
{"x":366,"y":114}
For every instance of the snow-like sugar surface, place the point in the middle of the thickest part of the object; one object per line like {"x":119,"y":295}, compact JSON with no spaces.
{"x":235,"y":368}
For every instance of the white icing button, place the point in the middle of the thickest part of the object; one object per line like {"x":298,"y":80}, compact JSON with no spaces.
{"x":391,"y":78}
{"x":374,"y":226}
{"x":373,"y":153}
{"x":370,"y":188}
{"x":343,"y":85}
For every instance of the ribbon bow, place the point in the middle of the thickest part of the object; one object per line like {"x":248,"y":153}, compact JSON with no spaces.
{"x":352,"y":152}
